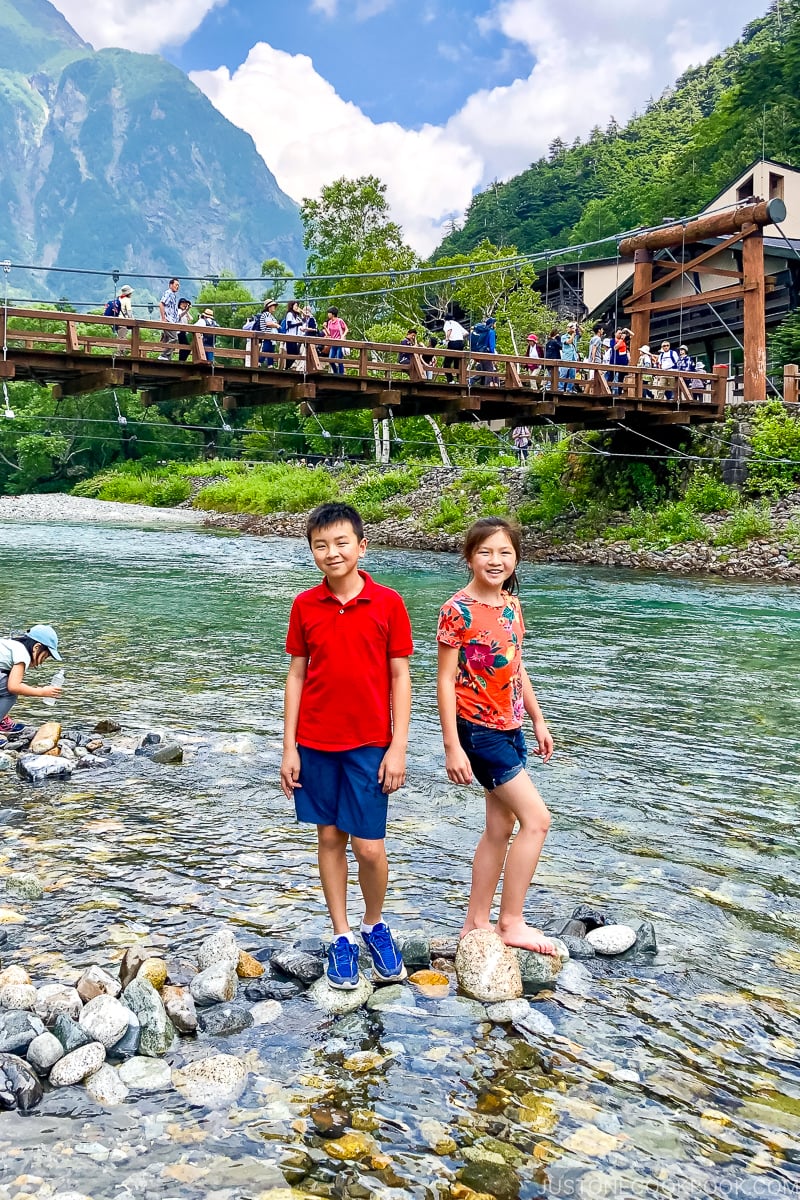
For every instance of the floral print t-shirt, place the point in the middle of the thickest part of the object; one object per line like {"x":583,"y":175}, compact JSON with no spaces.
{"x":489,"y":643}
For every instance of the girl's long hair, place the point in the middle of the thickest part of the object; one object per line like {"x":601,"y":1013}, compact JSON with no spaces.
{"x":484,"y":528}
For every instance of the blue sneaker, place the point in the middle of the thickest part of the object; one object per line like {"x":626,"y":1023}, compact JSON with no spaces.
{"x":387,"y":962}
{"x":342,"y":970}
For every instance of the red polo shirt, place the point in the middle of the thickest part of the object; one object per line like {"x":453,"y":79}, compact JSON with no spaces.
{"x":346,"y":698}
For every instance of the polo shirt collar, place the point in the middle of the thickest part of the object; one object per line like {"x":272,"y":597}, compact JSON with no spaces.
{"x":366,"y":593}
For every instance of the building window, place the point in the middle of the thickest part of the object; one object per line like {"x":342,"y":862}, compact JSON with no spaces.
{"x":775,"y":186}
{"x":745,"y":190}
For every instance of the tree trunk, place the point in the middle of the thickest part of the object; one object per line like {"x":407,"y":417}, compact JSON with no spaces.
{"x":387,"y":446}
{"x":437,"y":433}
{"x":377,"y":436}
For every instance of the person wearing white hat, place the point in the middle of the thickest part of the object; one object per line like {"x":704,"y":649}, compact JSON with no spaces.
{"x":17,"y":653}
{"x":207,"y":318}
{"x":648,"y":362}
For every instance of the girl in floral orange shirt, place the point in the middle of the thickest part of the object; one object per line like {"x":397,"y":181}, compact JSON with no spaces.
{"x":484,"y":692}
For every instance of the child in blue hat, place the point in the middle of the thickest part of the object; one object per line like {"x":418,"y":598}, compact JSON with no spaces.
{"x":17,"y":653}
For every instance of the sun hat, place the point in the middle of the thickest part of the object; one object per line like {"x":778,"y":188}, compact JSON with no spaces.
{"x":270,"y":303}
{"x":126,"y":290}
{"x":686,"y":348}
{"x":46,"y":636}
{"x":208,"y":312}
{"x":644,"y":349}
{"x":533,"y":337}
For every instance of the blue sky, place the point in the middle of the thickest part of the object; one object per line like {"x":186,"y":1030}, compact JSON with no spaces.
{"x":436,"y":98}
{"x":412,"y":63}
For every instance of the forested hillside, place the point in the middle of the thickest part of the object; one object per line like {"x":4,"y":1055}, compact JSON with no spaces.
{"x":669,"y":161}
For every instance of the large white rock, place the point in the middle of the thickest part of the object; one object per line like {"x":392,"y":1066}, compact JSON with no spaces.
{"x":216,"y":984}
{"x":219,"y":948}
{"x":487,"y":968}
{"x":53,"y":999}
{"x":44,"y":1052}
{"x":212,"y":1082}
{"x":74,"y":1067}
{"x":337,"y":1001}
{"x":146,"y":1074}
{"x":266,"y":1011}
{"x":14,"y":975}
{"x":19,"y":996}
{"x":611,"y":939}
{"x":106,"y":1087}
{"x":106,"y":1019}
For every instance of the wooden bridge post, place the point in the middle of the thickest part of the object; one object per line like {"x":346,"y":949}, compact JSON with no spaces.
{"x":755,"y":325}
{"x":791,"y":381}
{"x":640,"y":320}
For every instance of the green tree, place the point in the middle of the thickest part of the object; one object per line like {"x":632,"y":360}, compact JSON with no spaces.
{"x":277,"y":275}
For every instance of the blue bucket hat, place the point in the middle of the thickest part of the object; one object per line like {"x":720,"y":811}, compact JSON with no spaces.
{"x":46,"y":636}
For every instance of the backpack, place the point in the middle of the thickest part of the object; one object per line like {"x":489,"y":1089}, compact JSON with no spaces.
{"x":479,"y":338}
{"x":113,"y":308}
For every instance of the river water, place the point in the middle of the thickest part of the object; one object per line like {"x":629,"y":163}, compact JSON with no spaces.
{"x":674,"y":793}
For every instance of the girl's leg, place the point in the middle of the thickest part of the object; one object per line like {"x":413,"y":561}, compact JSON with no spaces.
{"x":522,"y":801}
{"x":487,"y":865}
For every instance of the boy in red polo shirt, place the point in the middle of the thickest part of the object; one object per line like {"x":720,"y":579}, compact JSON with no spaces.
{"x":346,"y":715}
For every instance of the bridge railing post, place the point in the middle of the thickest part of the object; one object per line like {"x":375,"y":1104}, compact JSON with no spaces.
{"x":791,"y":382}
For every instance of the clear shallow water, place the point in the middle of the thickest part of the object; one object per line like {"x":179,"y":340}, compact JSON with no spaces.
{"x":674,"y":791}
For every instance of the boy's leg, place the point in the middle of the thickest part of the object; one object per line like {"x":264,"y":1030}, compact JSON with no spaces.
{"x":522,"y":800}
{"x":373,"y":876}
{"x":487,"y":865}
{"x":332,"y":858}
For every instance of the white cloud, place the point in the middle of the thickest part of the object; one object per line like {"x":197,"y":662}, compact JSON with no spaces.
{"x":310,"y":136}
{"x":587,"y":67}
{"x":146,"y":25}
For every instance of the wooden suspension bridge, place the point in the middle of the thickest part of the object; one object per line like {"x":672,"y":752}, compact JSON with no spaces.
{"x":78,"y":354}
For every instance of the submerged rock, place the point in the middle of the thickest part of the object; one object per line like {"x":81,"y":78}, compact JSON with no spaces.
{"x":508,"y":1011}
{"x":225,"y":1019}
{"x":299,"y":965}
{"x":492,"y":1178}
{"x":145,"y":1074}
{"x":19,"y":1086}
{"x":487,"y":969}
{"x":107,"y":725}
{"x":611,"y":939}
{"x":158,"y":1032}
{"x":212,"y":1082}
{"x":336,"y":1002}
{"x":74,"y":1067}
{"x":535,"y":1023}
{"x":266,"y":1011}
{"x":36,"y":768}
{"x":273,"y":989}
{"x":106,"y":1087}
{"x":170,"y":752}
{"x":17,"y":1030}
{"x":538,"y":970}
{"x":26,"y":885}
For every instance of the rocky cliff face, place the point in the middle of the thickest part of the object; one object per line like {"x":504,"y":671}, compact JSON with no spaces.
{"x":116,"y":160}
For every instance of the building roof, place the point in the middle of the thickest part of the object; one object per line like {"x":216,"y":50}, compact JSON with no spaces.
{"x":768,"y":162}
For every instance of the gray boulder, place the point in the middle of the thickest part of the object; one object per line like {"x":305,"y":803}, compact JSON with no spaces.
{"x":106,"y":1019}
{"x":44,"y":1052}
{"x":158,"y":1032}
{"x":337,"y":1002}
{"x":128,"y":1044}
{"x":36,"y":768}
{"x":106,"y":1087}
{"x":180,"y":1008}
{"x":146,"y":1074}
{"x":224,"y":1019}
{"x":19,"y":1086}
{"x":298,"y":964}
{"x":17,"y":1030}
{"x":53,"y":999}
{"x":69,"y":1033}
{"x":220,"y":947}
{"x":214,"y":985}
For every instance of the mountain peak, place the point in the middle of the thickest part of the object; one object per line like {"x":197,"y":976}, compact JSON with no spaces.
{"x":33,"y":32}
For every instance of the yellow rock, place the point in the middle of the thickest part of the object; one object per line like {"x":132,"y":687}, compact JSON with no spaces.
{"x":249,"y":967}
{"x":14,"y":975}
{"x":592,"y":1142}
{"x":364,"y":1119}
{"x":379,"y":1162}
{"x":184,"y":1173}
{"x":537,"y":1113}
{"x":430,"y":983}
{"x":9,"y":917}
{"x":545,"y":1153}
{"x":364,"y":1060}
{"x":351,"y":1146}
{"x":46,"y":737}
{"x":713,"y":1121}
{"x":154,"y":970}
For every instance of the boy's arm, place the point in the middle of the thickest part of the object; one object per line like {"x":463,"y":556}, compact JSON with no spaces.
{"x":542,"y":734}
{"x":456,"y":762}
{"x":392,"y":771}
{"x":290,"y":762}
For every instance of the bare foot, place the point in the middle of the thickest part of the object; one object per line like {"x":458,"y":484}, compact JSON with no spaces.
{"x":470,"y":925}
{"x":518,"y":934}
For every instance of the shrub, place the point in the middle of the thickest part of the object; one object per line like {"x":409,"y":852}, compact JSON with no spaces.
{"x":671,"y":525}
{"x":775,"y":436}
{"x":546,"y":482}
{"x":369,"y":494}
{"x":705,"y":494}
{"x":745,"y":524}
{"x":451,"y":515}
{"x":160,"y":487}
{"x":275,"y":488}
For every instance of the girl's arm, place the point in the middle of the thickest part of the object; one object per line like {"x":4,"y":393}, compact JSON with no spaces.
{"x":542,"y":734}
{"x":290,"y":763}
{"x":17,"y":688}
{"x":457,"y":764}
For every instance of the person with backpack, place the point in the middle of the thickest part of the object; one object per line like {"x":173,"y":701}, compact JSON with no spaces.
{"x":483,"y":341}
{"x":266,"y":322}
{"x":292,"y":326}
{"x":667,"y":361}
{"x":206,"y":318}
{"x":335,"y":330}
{"x":120,"y":306}
{"x":455,"y":338}
{"x":647,"y":362}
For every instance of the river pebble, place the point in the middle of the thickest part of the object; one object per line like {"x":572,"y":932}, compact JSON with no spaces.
{"x":26,"y":885}
{"x":18,"y":996}
{"x":145,"y":1074}
{"x":221,"y":1020}
{"x":106,"y":1019}
{"x":17,"y":1031}
{"x":611,"y":939}
{"x":487,"y":969}
{"x":214,"y":985}
{"x":19,"y":1086}
{"x":158,"y":1031}
{"x":336,"y":1002}
{"x":180,"y":1008}
{"x":299,"y":965}
{"x":74,"y":1067}
{"x":95,"y":981}
{"x":69,"y":1033}
{"x":212,"y":1082}
{"x":106,"y":1087}
{"x":219,"y":948}
{"x":538,"y":970}
{"x":508,"y":1011}
{"x":55,"y":999}
{"x":266,"y":1011}
{"x":44,"y":1052}
{"x":128,"y":1044}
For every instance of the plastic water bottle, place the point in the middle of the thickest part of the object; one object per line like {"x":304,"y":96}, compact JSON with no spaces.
{"x":56,"y":681}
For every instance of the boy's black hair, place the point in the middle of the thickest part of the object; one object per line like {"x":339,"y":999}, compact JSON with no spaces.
{"x":326,"y":515}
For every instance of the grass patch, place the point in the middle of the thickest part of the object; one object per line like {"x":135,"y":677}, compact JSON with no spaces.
{"x":278,"y":487}
{"x":159,"y":487}
{"x":373,"y":491}
{"x":672,"y":525}
{"x":744,"y":525}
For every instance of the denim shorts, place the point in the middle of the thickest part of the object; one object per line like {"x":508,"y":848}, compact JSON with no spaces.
{"x":495,"y":755}
{"x":340,"y":787}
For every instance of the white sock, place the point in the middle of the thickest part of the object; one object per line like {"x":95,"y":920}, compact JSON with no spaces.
{"x":349,"y":935}
{"x":365,"y":928}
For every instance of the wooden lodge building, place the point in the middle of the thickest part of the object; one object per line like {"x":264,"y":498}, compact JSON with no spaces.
{"x":599,"y":290}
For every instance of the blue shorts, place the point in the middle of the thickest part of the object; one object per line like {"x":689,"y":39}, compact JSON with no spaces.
{"x":495,"y":755}
{"x":340,"y":787}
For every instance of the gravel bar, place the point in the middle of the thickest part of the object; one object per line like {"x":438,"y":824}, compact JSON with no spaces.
{"x":80,"y":510}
